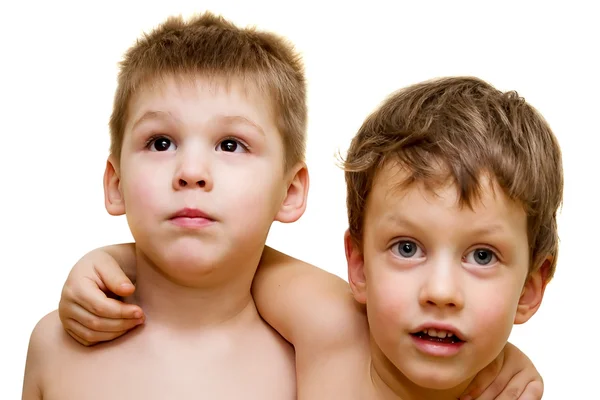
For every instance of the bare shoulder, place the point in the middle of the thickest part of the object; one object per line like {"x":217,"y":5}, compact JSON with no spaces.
{"x":323,"y":321}
{"x":322,"y":302}
{"x":46,"y":344}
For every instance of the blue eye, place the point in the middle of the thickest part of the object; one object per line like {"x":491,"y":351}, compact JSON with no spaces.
{"x":481,"y":256}
{"x":407,"y":249}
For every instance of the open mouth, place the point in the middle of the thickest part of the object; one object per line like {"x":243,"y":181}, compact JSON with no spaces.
{"x":437,"y":336}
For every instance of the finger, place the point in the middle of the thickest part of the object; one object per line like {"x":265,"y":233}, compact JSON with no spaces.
{"x":100,"y":324}
{"x":506,"y":387}
{"x":86,"y":336}
{"x":90,"y":297}
{"x":486,"y":377}
{"x":114,"y":279}
{"x":533,"y":391}
{"x":77,"y":338}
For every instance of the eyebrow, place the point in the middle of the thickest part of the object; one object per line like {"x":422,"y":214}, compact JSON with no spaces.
{"x":491,"y":229}
{"x":227,"y":119}
{"x":398,"y":220}
{"x":150,"y":115}
{"x":238,"y":119}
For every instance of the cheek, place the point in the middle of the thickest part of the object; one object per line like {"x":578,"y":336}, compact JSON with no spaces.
{"x":249,"y":194}
{"x":390,"y":297}
{"x":494,"y":311}
{"x":144,"y":188}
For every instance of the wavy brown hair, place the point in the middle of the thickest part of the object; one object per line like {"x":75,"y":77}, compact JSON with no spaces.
{"x":472,"y":129}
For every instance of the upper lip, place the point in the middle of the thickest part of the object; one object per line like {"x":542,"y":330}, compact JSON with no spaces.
{"x":441,"y":327}
{"x":191,"y":213}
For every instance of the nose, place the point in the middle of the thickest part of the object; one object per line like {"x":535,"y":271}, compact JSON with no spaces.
{"x":193,"y":171}
{"x":442,"y":286}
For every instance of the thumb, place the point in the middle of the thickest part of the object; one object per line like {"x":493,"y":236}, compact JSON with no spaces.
{"x":112,"y":278}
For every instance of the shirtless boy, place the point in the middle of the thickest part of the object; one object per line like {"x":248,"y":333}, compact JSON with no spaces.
{"x":208,"y":123}
{"x":453,"y":189}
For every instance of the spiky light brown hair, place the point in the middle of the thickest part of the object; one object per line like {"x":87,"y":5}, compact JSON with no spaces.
{"x":211,"y":46}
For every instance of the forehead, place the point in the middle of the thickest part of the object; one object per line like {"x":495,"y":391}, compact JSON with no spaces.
{"x":195,"y":98}
{"x":438,"y":204}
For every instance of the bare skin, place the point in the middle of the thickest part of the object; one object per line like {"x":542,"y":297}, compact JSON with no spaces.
{"x":329,"y":329}
{"x":208,"y":341}
{"x":242,"y":358}
{"x":335,"y":357}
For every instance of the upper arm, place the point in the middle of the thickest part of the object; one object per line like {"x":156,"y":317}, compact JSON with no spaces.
{"x":305,"y":304}
{"x":37,"y":356}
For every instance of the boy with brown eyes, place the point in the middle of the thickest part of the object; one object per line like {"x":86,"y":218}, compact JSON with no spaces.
{"x":194,"y":144}
{"x":453,"y":189}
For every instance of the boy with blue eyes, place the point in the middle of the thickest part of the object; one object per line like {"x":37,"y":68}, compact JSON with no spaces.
{"x":453,"y":190}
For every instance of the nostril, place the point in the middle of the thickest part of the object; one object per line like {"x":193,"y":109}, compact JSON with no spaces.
{"x":201,"y":184}
{"x":182,"y":183}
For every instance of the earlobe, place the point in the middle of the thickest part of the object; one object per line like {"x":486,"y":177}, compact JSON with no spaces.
{"x":356,"y":269}
{"x":113,"y":199}
{"x":294,"y":203}
{"x":533,"y":292}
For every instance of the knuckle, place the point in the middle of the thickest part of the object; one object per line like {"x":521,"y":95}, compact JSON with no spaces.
{"x":98,"y":309}
{"x":496,"y":387}
{"x":88,"y":336}
{"x":512,"y":393}
{"x":67,"y":293}
{"x":93,"y":323}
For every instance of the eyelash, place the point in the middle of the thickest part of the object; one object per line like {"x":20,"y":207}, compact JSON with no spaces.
{"x":485,"y":248}
{"x":237,"y":140}
{"x":494,"y":253}
{"x":153,"y":138}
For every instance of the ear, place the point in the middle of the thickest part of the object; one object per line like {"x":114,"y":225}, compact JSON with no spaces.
{"x":356,"y":269}
{"x":113,"y":198}
{"x":294,"y":203}
{"x":533,"y":292}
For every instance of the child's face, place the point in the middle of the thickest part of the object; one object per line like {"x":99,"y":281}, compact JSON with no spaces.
{"x":432,"y":265}
{"x":201,"y":174}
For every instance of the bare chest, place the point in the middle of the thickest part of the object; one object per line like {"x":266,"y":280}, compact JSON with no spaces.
{"x":175,"y":368}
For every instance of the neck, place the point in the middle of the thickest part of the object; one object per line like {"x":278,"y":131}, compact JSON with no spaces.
{"x":391,"y":384}
{"x":220,"y":300}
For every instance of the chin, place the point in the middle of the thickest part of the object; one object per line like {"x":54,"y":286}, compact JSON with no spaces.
{"x":442,"y":378}
{"x":193,"y":263}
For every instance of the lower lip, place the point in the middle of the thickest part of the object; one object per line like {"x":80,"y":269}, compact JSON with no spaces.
{"x":187,"y":222}
{"x":436,"y":349}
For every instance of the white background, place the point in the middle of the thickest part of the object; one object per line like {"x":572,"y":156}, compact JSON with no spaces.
{"x":58,"y":64}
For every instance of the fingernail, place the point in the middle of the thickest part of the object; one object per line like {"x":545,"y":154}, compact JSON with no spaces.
{"x":137,"y":314}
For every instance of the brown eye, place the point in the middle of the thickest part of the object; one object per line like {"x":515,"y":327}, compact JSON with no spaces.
{"x":161,"y":144}
{"x":232,"y":146}
{"x":229,"y":145}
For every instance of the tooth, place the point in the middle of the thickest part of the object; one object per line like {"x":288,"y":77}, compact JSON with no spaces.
{"x":432,"y":332}
{"x":450,"y":334}
{"x":441,"y":334}
{"x":425,"y":331}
